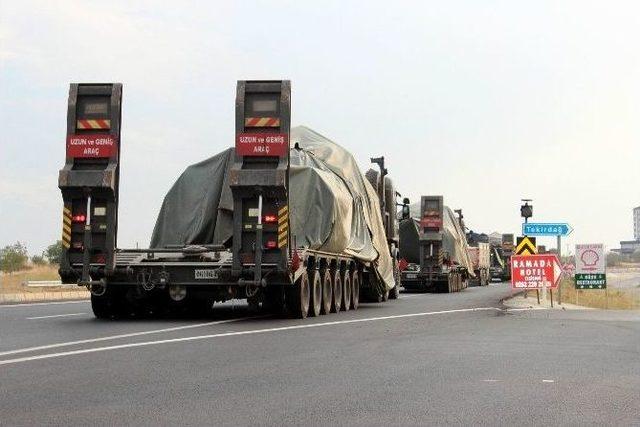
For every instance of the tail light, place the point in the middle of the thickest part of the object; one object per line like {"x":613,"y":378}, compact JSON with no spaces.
{"x":79,"y":218}
{"x":271,"y":244}
{"x":269,"y":219}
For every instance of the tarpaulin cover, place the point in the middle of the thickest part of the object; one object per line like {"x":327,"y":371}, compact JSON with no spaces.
{"x":454,"y":240}
{"x":332,"y":207}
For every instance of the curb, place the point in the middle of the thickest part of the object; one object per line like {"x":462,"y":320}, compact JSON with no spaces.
{"x":43,"y":296}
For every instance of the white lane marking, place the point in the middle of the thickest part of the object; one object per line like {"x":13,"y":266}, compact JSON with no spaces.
{"x":43,"y":303}
{"x":491,"y":381}
{"x":237,"y":333}
{"x":129,"y":335}
{"x":548,"y":381}
{"x":55,"y":315}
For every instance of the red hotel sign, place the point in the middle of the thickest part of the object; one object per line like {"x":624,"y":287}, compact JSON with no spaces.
{"x":535,"y":271}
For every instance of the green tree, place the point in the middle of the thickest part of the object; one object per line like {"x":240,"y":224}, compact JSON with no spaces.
{"x":613,"y":259}
{"x":635,"y":256}
{"x":13,"y":257}
{"x":38,"y":260}
{"x":53,"y":253}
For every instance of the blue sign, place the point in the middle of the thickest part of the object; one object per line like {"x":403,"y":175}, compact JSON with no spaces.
{"x":546,"y":229}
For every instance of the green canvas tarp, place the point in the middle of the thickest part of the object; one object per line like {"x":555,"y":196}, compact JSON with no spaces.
{"x":332,"y":206}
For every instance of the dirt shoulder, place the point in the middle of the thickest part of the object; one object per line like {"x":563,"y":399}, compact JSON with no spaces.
{"x":14,"y":289}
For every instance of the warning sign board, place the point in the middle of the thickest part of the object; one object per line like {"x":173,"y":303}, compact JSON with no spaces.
{"x":526,"y":246}
{"x":535,"y":271}
{"x":92,"y":145}
{"x":590,"y":272}
{"x":262,"y":144}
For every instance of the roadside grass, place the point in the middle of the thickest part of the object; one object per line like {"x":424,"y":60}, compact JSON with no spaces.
{"x":610,"y":298}
{"x":12,"y":283}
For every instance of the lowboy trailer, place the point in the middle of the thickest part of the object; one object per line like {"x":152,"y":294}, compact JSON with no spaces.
{"x":262,"y":262}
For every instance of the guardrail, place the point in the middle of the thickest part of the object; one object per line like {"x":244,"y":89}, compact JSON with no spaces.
{"x":46,"y":284}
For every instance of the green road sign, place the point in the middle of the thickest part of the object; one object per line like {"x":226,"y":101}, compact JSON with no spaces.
{"x":591,"y":280}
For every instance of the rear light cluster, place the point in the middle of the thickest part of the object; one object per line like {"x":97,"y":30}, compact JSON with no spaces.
{"x":270,"y":219}
{"x":271,"y":244}
{"x":79,"y":218}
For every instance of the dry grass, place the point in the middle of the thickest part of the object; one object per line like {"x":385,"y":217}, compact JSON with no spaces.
{"x":12,"y":283}
{"x":611,"y":298}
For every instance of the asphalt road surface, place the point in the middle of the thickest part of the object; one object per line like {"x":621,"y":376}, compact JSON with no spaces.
{"x":426,"y":359}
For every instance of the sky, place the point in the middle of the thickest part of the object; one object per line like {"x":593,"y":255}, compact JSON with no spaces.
{"x":483,"y":102}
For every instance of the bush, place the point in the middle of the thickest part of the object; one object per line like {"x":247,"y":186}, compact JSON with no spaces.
{"x":38,"y":260}
{"x":53,"y":253}
{"x":613,"y":259}
{"x":13,"y":257}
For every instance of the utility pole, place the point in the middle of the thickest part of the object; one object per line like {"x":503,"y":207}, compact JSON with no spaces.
{"x":560,"y":258}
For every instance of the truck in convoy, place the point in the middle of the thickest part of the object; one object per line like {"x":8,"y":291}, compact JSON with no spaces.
{"x":285,"y":219}
{"x":501,"y":258}
{"x":480,"y":256}
{"x":434,"y":249}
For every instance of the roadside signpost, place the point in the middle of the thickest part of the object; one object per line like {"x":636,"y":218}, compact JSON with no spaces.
{"x":546,"y":229}
{"x":526,"y":245}
{"x":549,"y":229}
{"x":535,"y":271}
{"x":590,"y":272}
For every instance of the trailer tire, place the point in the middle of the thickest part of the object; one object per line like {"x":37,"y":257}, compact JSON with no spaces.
{"x":315,"y":294}
{"x":355,"y":290}
{"x":112,"y":304}
{"x":327,"y":292}
{"x":336,"y":303}
{"x":395,"y":291}
{"x":346,"y":291}
{"x":102,"y":306}
{"x":274,"y":300}
{"x":297,"y":299}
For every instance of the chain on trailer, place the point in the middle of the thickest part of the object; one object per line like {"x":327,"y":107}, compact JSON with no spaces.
{"x":259,"y":180}
{"x":89,"y":181}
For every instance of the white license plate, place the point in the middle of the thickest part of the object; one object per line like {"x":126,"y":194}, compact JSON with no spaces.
{"x":412,"y":276}
{"x":206,"y":274}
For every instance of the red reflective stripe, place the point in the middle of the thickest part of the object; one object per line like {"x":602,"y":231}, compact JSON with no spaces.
{"x":83,"y":124}
{"x":103,"y":124}
{"x":271,"y":122}
{"x":253,"y":121}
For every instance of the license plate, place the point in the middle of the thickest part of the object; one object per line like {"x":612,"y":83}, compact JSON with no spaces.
{"x":206,"y":274}
{"x":412,"y":276}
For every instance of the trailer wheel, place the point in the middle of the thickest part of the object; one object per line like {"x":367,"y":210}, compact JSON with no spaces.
{"x":274,"y":300}
{"x":112,"y":304}
{"x":297,"y":300}
{"x":346,"y":291}
{"x":102,"y":306}
{"x":336,"y":303}
{"x":315,"y":288}
{"x":395,"y":291}
{"x":355,"y":290}
{"x":327,"y":292}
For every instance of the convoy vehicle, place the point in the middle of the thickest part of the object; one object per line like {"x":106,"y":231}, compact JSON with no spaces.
{"x":268,"y":235}
{"x":501,"y":259}
{"x":480,"y":256}
{"x":435,"y":249}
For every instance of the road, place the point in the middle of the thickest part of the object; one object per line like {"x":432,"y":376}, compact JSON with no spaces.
{"x":455,"y":359}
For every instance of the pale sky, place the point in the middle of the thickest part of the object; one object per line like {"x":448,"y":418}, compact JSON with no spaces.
{"x":484,"y":102}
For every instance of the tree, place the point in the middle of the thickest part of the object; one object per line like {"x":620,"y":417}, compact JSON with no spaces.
{"x":38,"y":260}
{"x":53,"y":253}
{"x":635,"y":256}
{"x":13,"y":257}
{"x":613,"y":259}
